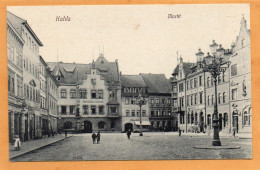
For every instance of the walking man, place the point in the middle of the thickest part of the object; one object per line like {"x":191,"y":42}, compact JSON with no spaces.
{"x":98,"y":137}
{"x":128,"y":134}
{"x":179,"y":131}
{"x":94,"y":137}
{"x":234,"y":132}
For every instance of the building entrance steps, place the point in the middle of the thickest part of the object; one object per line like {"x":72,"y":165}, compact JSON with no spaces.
{"x":35,"y":144}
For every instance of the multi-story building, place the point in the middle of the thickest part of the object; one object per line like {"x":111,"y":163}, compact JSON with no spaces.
{"x":15,"y":82}
{"x":240,"y":81}
{"x":193,"y":90}
{"x":52,"y":100}
{"x":31,"y":81}
{"x":179,"y":91}
{"x":89,"y":95}
{"x":132,"y":87}
{"x":159,"y":102}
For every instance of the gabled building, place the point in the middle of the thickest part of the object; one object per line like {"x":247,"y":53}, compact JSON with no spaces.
{"x":240,"y":81}
{"x":159,"y":102}
{"x":89,"y":95}
{"x":132,"y":87}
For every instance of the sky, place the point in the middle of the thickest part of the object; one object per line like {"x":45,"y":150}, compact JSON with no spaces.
{"x":141,"y":37}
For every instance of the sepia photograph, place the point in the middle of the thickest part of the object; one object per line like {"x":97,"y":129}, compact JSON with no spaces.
{"x":129,"y":82}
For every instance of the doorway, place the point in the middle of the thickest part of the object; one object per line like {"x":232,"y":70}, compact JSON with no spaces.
{"x":87,"y":127}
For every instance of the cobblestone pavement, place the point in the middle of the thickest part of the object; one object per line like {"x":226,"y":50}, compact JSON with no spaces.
{"x":160,"y":146}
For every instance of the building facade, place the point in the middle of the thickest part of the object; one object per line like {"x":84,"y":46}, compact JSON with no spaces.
{"x":89,"y":96}
{"x":31,"y":83}
{"x":240,"y":81}
{"x":15,"y":82}
{"x":193,"y":90}
{"x":160,"y":114}
{"x":133,"y":87}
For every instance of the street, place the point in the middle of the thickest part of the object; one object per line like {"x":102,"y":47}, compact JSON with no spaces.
{"x":152,"y":146}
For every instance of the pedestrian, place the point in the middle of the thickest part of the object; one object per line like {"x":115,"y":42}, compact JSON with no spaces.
{"x":234,"y":132}
{"x":52,"y":133}
{"x":98,"y":137}
{"x":128,"y":134}
{"x":17,"y":143}
{"x":66,"y":133}
{"x":179,"y":131}
{"x":94,"y":137}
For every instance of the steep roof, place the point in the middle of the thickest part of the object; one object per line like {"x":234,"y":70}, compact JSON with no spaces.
{"x":156,"y":83}
{"x":17,"y":22}
{"x":74,"y":72}
{"x":132,"y":81}
{"x":187,"y":67}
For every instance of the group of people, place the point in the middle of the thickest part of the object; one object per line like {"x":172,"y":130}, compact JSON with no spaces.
{"x":96,"y":138}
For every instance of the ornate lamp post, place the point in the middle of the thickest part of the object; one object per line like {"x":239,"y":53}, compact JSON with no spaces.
{"x":140,"y":103}
{"x":214,"y":66}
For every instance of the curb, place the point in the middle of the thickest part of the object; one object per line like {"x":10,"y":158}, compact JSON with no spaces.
{"x":40,"y":147}
{"x":216,"y":147}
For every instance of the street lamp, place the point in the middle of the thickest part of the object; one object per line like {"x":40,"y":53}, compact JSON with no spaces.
{"x":214,"y":66}
{"x":140,"y":103}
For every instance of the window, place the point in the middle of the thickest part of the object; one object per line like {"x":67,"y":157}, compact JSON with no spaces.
{"x":188,"y":82}
{"x":208,"y":80}
{"x":93,"y":94}
{"x":234,"y":70}
{"x":127,"y":113}
{"x":201,"y":97}
{"x":85,"y":109}
{"x":163,"y":112}
{"x":219,"y":78}
{"x":219,"y":98}
{"x":152,"y":112}
{"x":157,"y":100}
{"x":212,"y":99}
{"x":126,"y":101}
{"x":63,"y":110}
{"x":188,"y":100}
{"x":143,"y":112}
{"x":181,"y":87}
{"x":83,"y":93}
{"x":72,"y":93}
{"x":30,"y":93}
{"x":152,"y":100}
{"x":101,"y":125}
{"x":200,"y":80}
{"x":137,"y":113}
{"x":93,"y":82}
{"x":212,"y":83}
{"x":72,"y":109}
{"x":169,"y":112}
{"x":101,"y":110}
{"x":93,"y":110}
{"x":224,"y":97}
{"x":163,"y":100}
{"x":182,"y":101}
{"x":11,"y":86}
{"x":113,"y":109}
{"x":63,"y":93}
{"x":223,"y":76}
{"x":133,"y":113}
{"x":100,"y":94}
{"x":191,"y":100}
{"x":234,"y":94}
{"x":158,"y":113}
{"x":169,"y":101}
{"x":191,"y":84}
{"x":133,"y":100}
{"x":195,"y":99}
{"x":195,"y":82}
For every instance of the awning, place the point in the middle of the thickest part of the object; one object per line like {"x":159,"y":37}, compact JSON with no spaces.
{"x":145,"y":123}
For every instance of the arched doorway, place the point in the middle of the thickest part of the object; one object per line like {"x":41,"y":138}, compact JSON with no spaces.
{"x":67,"y":125}
{"x":129,"y":126}
{"x":87,"y":127}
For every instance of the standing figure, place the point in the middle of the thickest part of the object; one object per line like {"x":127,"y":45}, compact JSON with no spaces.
{"x":17,"y":143}
{"x":98,"y":137}
{"x":179,"y":131}
{"x":128,"y":134}
{"x":94,"y":137}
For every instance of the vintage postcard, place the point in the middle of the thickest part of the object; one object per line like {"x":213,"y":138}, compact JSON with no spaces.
{"x":129,"y":82}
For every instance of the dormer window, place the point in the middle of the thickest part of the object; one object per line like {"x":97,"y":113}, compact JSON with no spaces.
{"x":93,"y":82}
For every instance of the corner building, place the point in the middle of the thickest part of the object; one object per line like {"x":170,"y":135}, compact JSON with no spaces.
{"x":89,"y":95}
